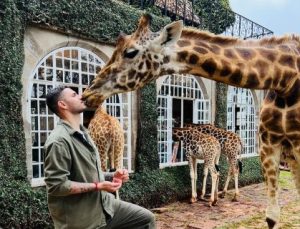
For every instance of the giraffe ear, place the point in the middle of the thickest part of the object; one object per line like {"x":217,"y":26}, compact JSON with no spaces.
{"x":171,"y":33}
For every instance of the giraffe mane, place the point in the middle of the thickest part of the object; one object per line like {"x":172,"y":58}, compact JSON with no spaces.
{"x":208,"y":36}
{"x":280,"y":40}
{"x":226,"y":40}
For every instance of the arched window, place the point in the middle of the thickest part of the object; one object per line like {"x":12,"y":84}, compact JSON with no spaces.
{"x":180,"y":100}
{"x":241,"y":118}
{"x":74,"y":67}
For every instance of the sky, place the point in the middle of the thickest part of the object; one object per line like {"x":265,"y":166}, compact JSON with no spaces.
{"x":280,"y":16}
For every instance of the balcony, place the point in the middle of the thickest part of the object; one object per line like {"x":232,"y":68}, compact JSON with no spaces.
{"x":214,"y":18}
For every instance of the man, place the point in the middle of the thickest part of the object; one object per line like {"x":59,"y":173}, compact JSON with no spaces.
{"x":78,"y":195}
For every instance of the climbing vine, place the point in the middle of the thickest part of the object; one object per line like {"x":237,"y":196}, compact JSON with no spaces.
{"x":101,"y":20}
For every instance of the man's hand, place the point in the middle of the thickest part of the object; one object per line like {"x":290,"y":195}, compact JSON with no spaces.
{"x":108,"y":186}
{"x":120,"y":176}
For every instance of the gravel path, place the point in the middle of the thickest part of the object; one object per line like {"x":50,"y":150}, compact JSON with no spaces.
{"x":251,"y":205}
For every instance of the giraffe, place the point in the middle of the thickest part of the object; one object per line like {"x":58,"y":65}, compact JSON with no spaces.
{"x":108,"y":136}
{"x":269,"y":63}
{"x":231,"y":145}
{"x":200,"y":146}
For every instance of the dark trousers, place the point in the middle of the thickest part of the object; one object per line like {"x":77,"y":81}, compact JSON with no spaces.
{"x":131,"y":216}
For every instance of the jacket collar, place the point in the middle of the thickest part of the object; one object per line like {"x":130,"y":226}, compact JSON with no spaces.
{"x":70,"y":130}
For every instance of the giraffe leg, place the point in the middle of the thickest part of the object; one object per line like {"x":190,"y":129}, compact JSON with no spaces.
{"x":103,"y":151}
{"x":217,"y":169}
{"x":236,"y":182}
{"x":214,"y":186}
{"x":270,"y":158}
{"x":195,"y":177}
{"x":205,"y":172}
{"x":117,"y":150}
{"x":226,"y":183}
{"x":193,"y":170}
{"x":294,"y":165}
{"x":234,"y":169}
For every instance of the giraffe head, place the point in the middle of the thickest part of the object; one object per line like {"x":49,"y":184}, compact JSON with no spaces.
{"x":138,"y":58}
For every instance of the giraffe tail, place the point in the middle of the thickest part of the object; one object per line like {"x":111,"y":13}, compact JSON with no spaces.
{"x":240,"y":165}
{"x":217,"y":167}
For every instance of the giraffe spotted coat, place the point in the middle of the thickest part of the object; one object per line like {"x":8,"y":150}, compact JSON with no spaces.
{"x":200,"y":146}
{"x":108,"y":135}
{"x":231,"y":145}
{"x":271,"y":63}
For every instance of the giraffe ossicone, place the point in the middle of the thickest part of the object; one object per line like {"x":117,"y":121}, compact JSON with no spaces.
{"x":268,"y":63}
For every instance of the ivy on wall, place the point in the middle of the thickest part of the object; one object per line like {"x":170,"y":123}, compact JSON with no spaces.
{"x":215,"y":15}
{"x":101,"y":20}
{"x":147,"y":157}
{"x":221,"y":105}
{"x":12,"y":141}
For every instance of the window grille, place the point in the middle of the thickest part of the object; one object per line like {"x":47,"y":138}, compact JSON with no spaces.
{"x":241,"y":118}
{"x":74,"y":67}
{"x":180,"y":100}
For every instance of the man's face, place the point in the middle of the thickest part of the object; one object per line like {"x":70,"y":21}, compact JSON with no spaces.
{"x":71,"y":101}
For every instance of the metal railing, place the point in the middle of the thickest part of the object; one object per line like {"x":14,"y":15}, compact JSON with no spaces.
{"x":236,"y":24}
{"x":245,"y":28}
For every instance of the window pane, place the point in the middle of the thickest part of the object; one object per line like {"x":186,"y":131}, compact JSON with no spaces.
{"x":74,"y":65}
{"x":35,"y":139}
{"x":42,"y":91}
{"x":91,"y":68}
{"x":75,"y":78}
{"x":59,"y":75}
{"x":35,"y":155}
{"x":67,"y":77}
{"x":50,"y":123}
{"x":66,"y":64}
{"x":35,"y":171}
{"x":42,"y":107}
{"x":34,"y":91}
{"x":84,"y":80}
{"x":59,"y":63}
{"x":43,"y":123}
{"x":34,"y":108}
{"x":34,"y":123}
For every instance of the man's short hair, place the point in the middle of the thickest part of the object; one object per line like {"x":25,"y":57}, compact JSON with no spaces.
{"x":53,"y":97}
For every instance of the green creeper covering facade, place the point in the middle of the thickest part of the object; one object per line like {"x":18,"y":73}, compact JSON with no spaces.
{"x":24,"y":207}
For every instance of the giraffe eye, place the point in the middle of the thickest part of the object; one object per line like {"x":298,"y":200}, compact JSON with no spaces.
{"x":131,"y":53}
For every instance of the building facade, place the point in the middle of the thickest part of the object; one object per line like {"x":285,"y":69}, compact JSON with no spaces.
{"x":53,"y":58}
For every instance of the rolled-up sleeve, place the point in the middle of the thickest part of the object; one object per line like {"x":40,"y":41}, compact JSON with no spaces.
{"x":57,"y":169}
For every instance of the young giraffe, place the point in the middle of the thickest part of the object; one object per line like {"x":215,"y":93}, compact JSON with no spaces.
{"x":108,"y":136}
{"x":231,"y":145}
{"x":270,"y":63}
{"x":200,"y":146}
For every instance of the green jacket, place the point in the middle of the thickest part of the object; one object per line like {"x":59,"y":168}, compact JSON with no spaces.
{"x":69,"y":157}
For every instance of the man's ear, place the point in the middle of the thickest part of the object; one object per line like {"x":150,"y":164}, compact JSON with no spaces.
{"x":61,"y":105}
{"x":170,"y":34}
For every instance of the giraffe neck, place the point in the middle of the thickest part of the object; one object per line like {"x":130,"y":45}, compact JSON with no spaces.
{"x":100,"y":110}
{"x":248,"y":64}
